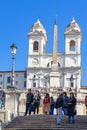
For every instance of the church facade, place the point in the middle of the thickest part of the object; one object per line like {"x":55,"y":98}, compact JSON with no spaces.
{"x":62,"y":70}
{"x":48,"y":72}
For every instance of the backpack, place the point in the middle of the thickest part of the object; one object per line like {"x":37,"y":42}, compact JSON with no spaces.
{"x":46,"y":100}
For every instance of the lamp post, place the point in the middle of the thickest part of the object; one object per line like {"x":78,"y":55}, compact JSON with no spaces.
{"x":13,"y":51}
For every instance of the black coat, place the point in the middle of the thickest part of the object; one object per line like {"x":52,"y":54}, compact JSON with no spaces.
{"x":71,"y":106}
{"x":29,"y":98}
{"x":59,"y":102}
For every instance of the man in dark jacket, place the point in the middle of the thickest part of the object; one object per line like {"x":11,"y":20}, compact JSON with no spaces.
{"x":65,"y":101}
{"x":59,"y":106}
{"x":29,"y":101}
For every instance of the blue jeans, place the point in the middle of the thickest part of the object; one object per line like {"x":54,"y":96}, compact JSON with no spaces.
{"x":65,"y":110}
{"x":69,"y":118}
{"x":37,"y":107}
{"x":51,"y":111}
{"x":28,"y":108}
{"x":0,"y":104}
{"x":60,"y":114}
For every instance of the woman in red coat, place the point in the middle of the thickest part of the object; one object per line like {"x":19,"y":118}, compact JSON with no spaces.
{"x":46,"y":104}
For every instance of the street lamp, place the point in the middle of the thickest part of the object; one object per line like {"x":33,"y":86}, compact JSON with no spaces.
{"x":13,"y":51}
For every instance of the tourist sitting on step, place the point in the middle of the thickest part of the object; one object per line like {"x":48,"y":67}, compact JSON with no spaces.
{"x":2,"y":98}
{"x":29,"y":101}
{"x":71,"y":108}
{"x":46,"y":104}
{"x":51,"y":105}
{"x":59,"y":107}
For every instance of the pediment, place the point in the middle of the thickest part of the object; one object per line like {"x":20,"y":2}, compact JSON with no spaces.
{"x":72,"y":32}
{"x":36,"y":33}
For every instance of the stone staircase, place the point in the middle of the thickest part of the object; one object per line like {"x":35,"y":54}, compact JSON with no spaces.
{"x":46,"y":122}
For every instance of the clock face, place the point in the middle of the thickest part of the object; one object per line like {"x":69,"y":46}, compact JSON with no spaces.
{"x":35,"y":61}
{"x":71,"y":61}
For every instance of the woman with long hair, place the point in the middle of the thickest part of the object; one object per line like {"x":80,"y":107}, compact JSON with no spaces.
{"x":46,"y":104}
{"x":71,"y":108}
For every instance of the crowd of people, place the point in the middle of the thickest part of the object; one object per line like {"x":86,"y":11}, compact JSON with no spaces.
{"x":65,"y":105}
{"x":32,"y":102}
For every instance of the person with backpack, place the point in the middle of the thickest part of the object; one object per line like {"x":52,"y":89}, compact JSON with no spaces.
{"x":46,"y":104}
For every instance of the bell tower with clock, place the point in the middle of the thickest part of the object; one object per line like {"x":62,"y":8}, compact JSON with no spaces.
{"x":36,"y":51}
{"x":37,"y":43}
{"x":73,"y":39}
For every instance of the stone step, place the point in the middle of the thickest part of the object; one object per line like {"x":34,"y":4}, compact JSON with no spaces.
{"x":46,"y":122}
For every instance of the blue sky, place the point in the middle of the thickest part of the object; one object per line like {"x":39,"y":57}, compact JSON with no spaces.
{"x":17,"y":17}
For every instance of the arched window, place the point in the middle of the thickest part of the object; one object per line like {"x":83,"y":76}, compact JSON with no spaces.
{"x":72,"y":45}
{"x":35,"y":46}
{"x":50,"y":64}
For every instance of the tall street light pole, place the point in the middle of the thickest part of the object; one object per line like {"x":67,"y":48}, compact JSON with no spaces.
{"x":13,"y":51}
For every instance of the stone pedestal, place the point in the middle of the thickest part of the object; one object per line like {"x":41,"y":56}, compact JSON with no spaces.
{"x":2,"y":115}
{"x":12,"y":103}
{"x":54,"y":79}
{"x":22,"y":103}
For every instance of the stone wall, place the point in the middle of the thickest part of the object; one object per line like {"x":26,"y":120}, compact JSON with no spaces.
{"x":15,"y":103}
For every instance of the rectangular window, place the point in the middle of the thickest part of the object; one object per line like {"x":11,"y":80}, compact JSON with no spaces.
{"x":25,"y":75}
{"x":24,"y":84}
{"x":0,"y":75}
{"x":8,"y":79}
